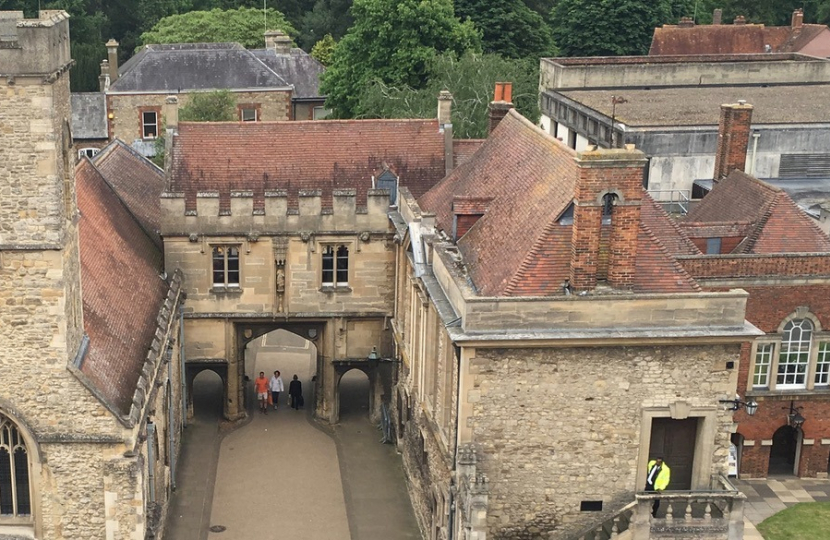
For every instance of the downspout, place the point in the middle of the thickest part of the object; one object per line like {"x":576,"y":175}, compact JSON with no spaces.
{"x":755,"y":136}
{"x":151,"y":460}
{"x":181,"y":363}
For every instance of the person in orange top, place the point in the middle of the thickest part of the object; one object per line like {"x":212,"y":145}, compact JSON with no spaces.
{"x":261,"y":389}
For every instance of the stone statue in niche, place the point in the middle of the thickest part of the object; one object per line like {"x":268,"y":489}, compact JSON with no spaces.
{"x":280,"y":288}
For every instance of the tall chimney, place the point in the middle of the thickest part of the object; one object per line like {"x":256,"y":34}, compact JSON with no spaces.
{"x":609,"y":191}
{"x":278,"y":41}
{"x":734,"y":131}
{"x":104,"y":77}
{"x":112,"y":57}
{"x":445,"y":126}
{"x":717,"y":16}
{"x":170,"y":112}
{"x":501,"y":104}
{"x":798,"y":20}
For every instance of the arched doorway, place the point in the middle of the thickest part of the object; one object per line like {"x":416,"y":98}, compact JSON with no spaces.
{"x":782,"y":453}
{"x":286,"y":352}
{"x":735,"y":454}
{"x":354,"y":395}
{"x":207,"y":396}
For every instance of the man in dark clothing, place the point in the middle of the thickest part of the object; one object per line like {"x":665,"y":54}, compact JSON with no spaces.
{"x":295,"y":393}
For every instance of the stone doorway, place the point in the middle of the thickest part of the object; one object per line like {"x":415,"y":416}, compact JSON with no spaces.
{"x":782,"y":453}
{"x":353,"y":394}
{"x":675,"y":441}
{"x":206,"y":392}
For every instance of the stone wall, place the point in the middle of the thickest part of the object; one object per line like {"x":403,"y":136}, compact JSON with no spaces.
{"x":555,"y":427}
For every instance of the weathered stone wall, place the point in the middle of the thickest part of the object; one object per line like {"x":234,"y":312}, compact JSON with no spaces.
{"x":125,"y":123}
{"x":558,"y":426}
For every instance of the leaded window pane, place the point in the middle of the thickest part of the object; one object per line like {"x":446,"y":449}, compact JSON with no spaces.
{"x":328,"y":266}
{"x":823,"y":364}
{"x":342,"y":265}
{"x":15,"y":496}
{"x":763,"y":361}
{"x":219,"y":266}
{"x":233,"y":266}
{"x":794,"y":357}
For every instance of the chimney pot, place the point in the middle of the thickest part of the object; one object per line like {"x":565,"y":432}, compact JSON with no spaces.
{"x":717,"y":16}
{"x":739,"y":20}
{"x":501,"y":103}
{"x":686,"y":22}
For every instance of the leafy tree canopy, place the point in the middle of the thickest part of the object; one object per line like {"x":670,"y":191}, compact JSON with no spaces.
{"x":323,"y":50}
{"x":610,"y":27}
{"x":326,"y":17}
{"x":243,"y":25}
{"x":508,"y":27}
{"x":471,"y":79}
{"x":392,"y":41}
{"x":216,"y":106}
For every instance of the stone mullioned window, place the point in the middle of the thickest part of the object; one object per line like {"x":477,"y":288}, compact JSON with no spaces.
{"x":15,"y":491}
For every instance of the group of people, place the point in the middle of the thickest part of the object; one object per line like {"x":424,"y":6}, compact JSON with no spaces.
{"x":268,"y":392}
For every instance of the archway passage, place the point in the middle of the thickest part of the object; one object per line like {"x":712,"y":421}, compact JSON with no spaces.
{"x":286,"y":352}
{"x":783,"y":450}
{"x":354,"y":391}
{"x":208,"y":391}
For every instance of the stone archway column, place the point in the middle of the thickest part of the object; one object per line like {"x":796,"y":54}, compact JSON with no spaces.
{"x":234,"y":405}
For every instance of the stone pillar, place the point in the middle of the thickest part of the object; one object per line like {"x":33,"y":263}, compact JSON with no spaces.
{"x":445,"y":125}
{"x":473,"y":491}
{"x":734,"y":131}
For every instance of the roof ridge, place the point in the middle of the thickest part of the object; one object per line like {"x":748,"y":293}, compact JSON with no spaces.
{"x":748,"y":243}
{"x":277,"y":75}
{"x":672,"y":259}
{"x":529,"y":258}
{"x":518,"y":116}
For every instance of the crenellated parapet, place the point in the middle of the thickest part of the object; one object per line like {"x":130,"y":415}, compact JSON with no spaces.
{"x":246,"y":213}
{"x":34,"y":47}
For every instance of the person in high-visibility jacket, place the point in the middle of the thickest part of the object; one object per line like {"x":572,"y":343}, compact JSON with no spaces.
{"x":657,"y":479}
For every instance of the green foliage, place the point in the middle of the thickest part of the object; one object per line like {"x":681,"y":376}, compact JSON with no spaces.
{"x":326,"y":17}
{"x":609,"y":27}
{"x":471,"y":79}
{"x":243,"y":25}
{"x":392,"y":41}
{"x":769,"y":12}
{"x":508,"y":27}
{"x":216,"y":106}
{"x":323,"y":50}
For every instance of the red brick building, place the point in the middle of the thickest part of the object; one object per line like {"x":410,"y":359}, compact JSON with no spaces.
{"x":755,"y":237}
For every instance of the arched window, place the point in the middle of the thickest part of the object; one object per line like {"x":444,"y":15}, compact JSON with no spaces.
{"x":794,"y":358}
{"x":15,"y":492}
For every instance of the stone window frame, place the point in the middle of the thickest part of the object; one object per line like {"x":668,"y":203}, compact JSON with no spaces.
{"x":141,"y":131}
{"x":336,"y":285}
{"x":820,"y":340}
{"x":226,"y":286}
{"x":242,"y":107}
{"x":88,"y":151}
{"x":32,"y":520}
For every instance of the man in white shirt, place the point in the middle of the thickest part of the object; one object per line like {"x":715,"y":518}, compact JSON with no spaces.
{"x":276,"y":386}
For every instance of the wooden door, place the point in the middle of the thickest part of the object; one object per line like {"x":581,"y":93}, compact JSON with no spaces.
{"x":675,"y":441}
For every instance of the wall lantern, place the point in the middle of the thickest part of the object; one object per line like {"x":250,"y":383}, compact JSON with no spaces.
{"x":794,"y":418}
{"x":374,"y":354}
{"x":736,"y":404}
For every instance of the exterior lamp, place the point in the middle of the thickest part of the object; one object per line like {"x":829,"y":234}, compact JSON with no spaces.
{"x":374,"y":354}
{"x":794,"y":418}
{"x":736,"y":404}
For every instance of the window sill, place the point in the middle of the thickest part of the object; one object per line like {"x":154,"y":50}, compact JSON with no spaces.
{"x":225,"y":290}
{"x":790,"y":392}
{"x":335,"y":289}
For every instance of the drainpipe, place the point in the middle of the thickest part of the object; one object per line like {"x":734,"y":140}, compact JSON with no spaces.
{"x":151,"y":460}
{"x":181,"y":363}
{"x":755,"y":136}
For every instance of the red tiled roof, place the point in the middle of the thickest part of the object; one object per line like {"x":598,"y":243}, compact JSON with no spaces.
{"x":731,"y":39}
{"x":320,"y":155}
{"x":122,"y":290}
{"x":136,"y":181}
{"x":463,"y":149}
{"x":787,"y":229}
{"x":520,"y":247}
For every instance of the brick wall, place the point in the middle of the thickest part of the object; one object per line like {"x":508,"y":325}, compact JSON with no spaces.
{"x":739,"y":266}
{"x":733,"y":139}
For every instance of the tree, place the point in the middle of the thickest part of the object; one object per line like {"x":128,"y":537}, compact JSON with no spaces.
{"x":508,"y":27}
{"x":323,"y":50}
{"x":326,"y":17}
{"x":471,"y":80}
{"x":243,"y":25}
{"x":216,"y":106}
{"x":392,"y":41}
{"x":609,"y":27}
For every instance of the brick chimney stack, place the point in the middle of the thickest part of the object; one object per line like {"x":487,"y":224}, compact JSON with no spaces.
{"x":608,"y":194}
{"x":501,"y":104}
{"x":445,"y":126}
{"x":686,"y":22}
{"x":798,"y":20}
{"x":278,"y":41}
{"x":717,"y":16}
{"x":112,"y":57}
{"x":734,"y":131}
{"x":104,"y":77}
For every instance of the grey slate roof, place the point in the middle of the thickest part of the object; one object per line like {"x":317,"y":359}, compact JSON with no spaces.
{"x":298,"y":68}
{"x":195,"y":66}
{"x":89,"y":115}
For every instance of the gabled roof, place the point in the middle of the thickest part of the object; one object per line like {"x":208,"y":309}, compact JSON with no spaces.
{"x":137,"y":182}
{"x":520,"y":247}
{"x":297,"y":68}
{"x":195,"y":66}
{"x":731,"y":39}
{"x":122,"y":289}
{"x":293,"y":156}
{"x":772,"y":222}
{"x":89,"y":115}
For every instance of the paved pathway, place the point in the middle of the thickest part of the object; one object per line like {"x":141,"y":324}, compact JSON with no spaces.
{"x":767,"y":497}
{"x":283,"y":475}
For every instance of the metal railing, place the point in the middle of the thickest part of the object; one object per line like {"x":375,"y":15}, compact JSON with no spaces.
{"x":673,"y":201}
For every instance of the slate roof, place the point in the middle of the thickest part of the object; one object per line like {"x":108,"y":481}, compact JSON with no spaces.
{"x":137,"y":182}
{"x":731,"y":39}
{"x":184,"y":67}
{"x":768,"y":217}
{"x":322,"y":155}
{"x":89,"y":115}
{"x":297,"y":68}
{"x":519,"y":247}
{"x":122,"y":289}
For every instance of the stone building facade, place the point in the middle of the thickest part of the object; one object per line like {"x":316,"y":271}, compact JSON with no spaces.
{"x":542,"y":362}
{"x":78,"y":402}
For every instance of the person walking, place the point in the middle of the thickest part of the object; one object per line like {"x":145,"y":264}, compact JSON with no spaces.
{"x":295,"y":393}
{"x":276,"y":386}
{"x":657,"y":479}
{"x":261,"y":389}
